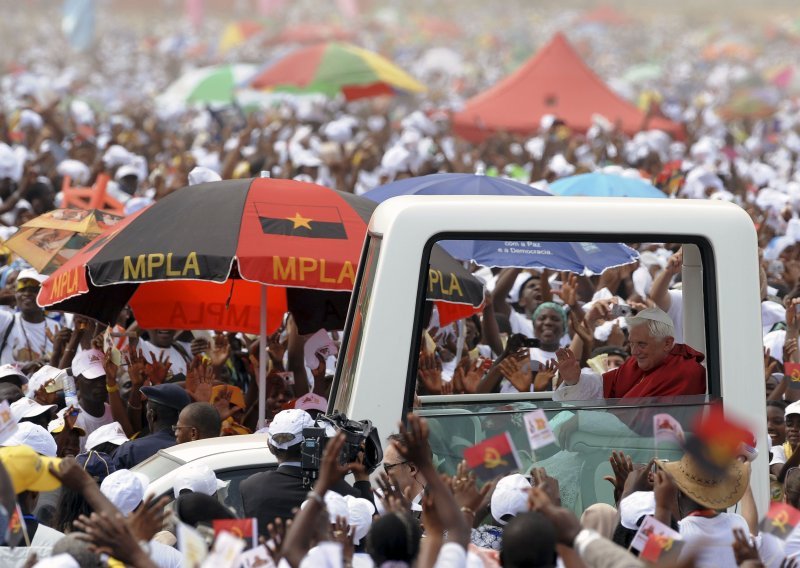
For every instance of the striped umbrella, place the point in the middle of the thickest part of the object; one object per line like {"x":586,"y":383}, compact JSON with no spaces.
{"x":214,"y":84}
{"x":334,"y":68}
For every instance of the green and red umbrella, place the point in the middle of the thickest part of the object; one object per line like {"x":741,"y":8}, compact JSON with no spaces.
{"x":333,"y":68}
{"x":199,"y":258}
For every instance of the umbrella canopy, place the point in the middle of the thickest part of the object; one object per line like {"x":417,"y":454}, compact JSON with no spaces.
{"x":51,"y":239}
{"x":214,"y":84}
{"x":334,"y":68}
{"x":598,"y":184}
{"x":582,"y":258}
{"x":197,"y":260}
{"x":577,"y":257}
{"x":236,"y":33}
{"x":452,"y":184}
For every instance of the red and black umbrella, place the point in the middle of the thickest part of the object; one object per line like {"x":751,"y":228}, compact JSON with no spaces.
{"x":199,"y":258}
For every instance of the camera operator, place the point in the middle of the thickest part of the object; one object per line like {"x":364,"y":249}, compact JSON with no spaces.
{"x":270,"y":494}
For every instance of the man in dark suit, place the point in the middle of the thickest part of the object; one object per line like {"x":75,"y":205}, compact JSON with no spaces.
{"x":271,"y":494}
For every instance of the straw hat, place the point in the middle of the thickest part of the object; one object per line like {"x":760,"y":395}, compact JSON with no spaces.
{"x":714,"y":492}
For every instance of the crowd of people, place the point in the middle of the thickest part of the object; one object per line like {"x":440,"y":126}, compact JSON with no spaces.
{"x":82,"y":419}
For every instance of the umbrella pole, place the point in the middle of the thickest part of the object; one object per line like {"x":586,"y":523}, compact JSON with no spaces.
{"x":262,"y":361}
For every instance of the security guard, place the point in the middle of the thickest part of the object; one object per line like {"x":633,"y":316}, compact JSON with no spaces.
{"x":164,"y":404}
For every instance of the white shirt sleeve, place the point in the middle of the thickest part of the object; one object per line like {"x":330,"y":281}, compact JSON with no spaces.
{"x":778,"y":455}
{"x":451,"y":555}
{"x":588,"y":387}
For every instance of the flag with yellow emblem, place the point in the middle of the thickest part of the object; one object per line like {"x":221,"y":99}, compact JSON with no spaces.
{"x":496,"y":456}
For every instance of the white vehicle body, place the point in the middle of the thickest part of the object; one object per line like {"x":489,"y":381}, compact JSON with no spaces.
{"x":378,"y":359}
{"x":377,"y":363}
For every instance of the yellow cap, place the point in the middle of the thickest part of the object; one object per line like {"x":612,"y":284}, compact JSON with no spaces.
{"x":28,"y":470}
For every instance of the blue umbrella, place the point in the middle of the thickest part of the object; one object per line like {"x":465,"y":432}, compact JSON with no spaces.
{"x":452,"y":184}
{"x":582,"y":258}
{"x":598,"y":184}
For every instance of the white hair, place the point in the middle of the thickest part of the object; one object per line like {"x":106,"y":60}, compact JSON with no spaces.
{"x":655,"y":328}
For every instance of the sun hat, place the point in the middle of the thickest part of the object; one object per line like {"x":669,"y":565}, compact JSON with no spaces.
{"x":712,"y":491}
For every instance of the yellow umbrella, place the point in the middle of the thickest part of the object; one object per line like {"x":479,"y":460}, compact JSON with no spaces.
{"x":51,"y":239}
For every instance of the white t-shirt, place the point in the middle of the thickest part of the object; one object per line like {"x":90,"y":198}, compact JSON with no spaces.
{"x":778,"y":455}
{"x":173,"y":356}
{"x":712,"y":538}
{"x":89,"y":423}
{"x":165,"y":556}
{"x":26,"y":341}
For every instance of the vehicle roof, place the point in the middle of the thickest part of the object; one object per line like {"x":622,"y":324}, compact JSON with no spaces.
{"x":191,"y":451}
{"x":546,"y":214}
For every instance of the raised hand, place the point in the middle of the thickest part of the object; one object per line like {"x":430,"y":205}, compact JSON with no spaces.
{"x":157,"y":370}
{"x":277,"y":533}
{"x":743,"y":548}
{"x":137,"y":367}
{"x":223,"y":403}
{"x":416,"y":448}
{"x":148,"y":518}
{"x":547,"y":484}
{"x":569,"y":370}
{"x":110,"y":535}
{"x":622,"y":466}
{"x":516,"y":368}
{"x":276,"y":348}
{"x":569,"y":289}
{"x":466,"y":492}
{"x":344,"y":536}
{"x":393,"y":499}
{"x":110,"y":368}
{"x":543,"y":380}
{"x":199,"y":381}
{"x":220,"y":350}
{"x":430,"y":373}
{"x":565,"y":522}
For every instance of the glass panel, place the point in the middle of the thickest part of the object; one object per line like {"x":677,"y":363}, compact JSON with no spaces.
{"x":349,"y":360}
{"x":586,"y":436}
{"x":231,"y":496}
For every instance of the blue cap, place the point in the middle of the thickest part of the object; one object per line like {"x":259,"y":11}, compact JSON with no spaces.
{"x":168,"y":394}
{"x":97,"y":464}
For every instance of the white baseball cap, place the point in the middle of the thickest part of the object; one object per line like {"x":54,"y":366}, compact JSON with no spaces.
{"x":286,"y":429}
{"x":42,"y":376}
{"x":31,"y":274}
{"x":106,"y":433}
{"x":33,"y":436}
{"x":793,"y":408}
{"x":89,"y":364}
{"x":197,"y":478}
{"x":360,"y":513}
{"x":311,"y":401}
{"x":28,"y":408}
{"x":125,"y":488}
{"x":510,"y":497}
{"x":11,"y":370}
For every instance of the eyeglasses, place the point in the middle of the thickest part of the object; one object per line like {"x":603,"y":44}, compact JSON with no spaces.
{"x":387,"y":467}
{"x":176,"y":428}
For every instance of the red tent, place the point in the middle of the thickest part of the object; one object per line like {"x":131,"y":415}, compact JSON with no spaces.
{"x":554,"y":81}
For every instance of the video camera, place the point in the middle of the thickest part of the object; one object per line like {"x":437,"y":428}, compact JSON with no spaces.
{"x":360,"y":436}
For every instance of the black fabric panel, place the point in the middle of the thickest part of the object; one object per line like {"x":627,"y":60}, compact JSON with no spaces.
{"x":101,"y":303}
{"x":192,"y":233}
{"x":315,"y":309}
{"x":361,"y":205}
